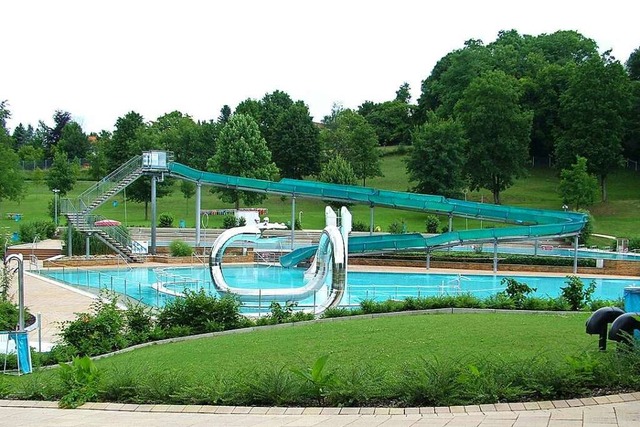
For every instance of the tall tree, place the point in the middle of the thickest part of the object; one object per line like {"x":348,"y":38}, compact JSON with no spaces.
{"x":296,"y":144}
{"x":592,"y":115}
{"x":578,"y":187}
{"x":11,"y":179}
{"x":356,"y":141}
{"x":391,"y":121}
{"x":403,"y":94}
{"x":52,"y":135}
{"x":437,"y":160}
{"x":124,"y":141}
{"x":289,"y":131}
{"x":74,"y":141}
{"x":498,"y":131}
{"x":633,"y":65}
{"x":63,"y":174}
{"x":242,"y":151}
{"x":225,"y":114}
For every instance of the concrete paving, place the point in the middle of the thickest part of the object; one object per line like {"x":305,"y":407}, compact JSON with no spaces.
{"x":558,"y":414}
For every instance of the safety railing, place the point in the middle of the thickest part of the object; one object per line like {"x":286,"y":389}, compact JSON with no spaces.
{"x":84,"y":200}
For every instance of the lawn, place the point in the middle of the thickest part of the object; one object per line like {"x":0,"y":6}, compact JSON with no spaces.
{"x":617,"y":217}
{"x":386,"y":342}
{"x":406,"y":360}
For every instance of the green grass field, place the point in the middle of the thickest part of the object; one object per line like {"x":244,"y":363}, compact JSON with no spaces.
{"x":385,"y":342}
{"x":617,"y":217}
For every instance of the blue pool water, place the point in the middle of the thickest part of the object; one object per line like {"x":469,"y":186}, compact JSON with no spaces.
{"x":136,"y":283}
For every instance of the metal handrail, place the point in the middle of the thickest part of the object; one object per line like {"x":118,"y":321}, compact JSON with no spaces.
{"x":87,"y":197}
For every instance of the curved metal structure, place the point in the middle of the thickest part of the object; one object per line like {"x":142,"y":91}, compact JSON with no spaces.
{"x":330,"y":263}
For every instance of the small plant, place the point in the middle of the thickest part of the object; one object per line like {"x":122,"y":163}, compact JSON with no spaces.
{"x":576,"y":294}
{"x":229,"y":221}
{"x":320,"y":381}
{"x":397,"y":227}
{"x":6,"y":278}
{"x":180,"y":248}
{"x":516,"y":291}
{"x":432,"y":224}
{"x":359,"y":226}
{"x":80,"y":380}
{"x":41,"y":230}
{"x":165,"y":220}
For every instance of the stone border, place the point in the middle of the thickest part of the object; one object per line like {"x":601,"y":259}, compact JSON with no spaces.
{"x":484,"y":409}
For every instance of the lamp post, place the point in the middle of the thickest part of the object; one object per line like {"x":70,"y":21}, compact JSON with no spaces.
{"x":55,"y":203}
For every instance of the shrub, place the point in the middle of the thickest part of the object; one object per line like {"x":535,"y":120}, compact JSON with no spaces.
{"x":634,"y":243}
{"x":138,"y":323}
{"x":432,"y":224}
{"x":98,"y":332}
{"x":229,"y":221}
{"x":576,"y":294}
{"x":516,"y":291}
{"x":180,"y":248}
{"x":201,"y":312}
{"x":28,"y":231}
{"x":80,"y":380}
{"x":397,"y":227}
{"x":359,"y":226}
{"x":8,"y":316}
{"x":165,"y":220}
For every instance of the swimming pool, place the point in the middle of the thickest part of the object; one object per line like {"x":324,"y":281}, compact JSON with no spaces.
{"x":136,"y":283}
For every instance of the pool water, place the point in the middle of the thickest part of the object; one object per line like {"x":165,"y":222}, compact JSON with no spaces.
{"x":137,"y":282}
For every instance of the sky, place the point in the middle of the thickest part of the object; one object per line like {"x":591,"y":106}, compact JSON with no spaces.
{"x":100,"y":59}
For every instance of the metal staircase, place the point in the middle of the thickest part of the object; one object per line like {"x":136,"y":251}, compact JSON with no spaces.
{"x":78,"y":211}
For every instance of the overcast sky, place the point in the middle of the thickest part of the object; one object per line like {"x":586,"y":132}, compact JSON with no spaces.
{"x":100,"y":59}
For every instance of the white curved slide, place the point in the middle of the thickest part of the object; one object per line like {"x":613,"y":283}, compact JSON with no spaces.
{"x":330,"y":262}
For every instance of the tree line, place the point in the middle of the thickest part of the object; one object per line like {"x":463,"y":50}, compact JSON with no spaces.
{"x":482,"y":112}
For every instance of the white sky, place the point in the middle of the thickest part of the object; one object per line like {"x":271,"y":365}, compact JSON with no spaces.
{"x":100,"y":59}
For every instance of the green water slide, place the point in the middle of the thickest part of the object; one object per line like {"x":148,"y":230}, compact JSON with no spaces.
{"x":523,"y":223}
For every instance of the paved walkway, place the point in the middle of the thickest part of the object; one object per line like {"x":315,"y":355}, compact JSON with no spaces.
{"x":622,"y":414}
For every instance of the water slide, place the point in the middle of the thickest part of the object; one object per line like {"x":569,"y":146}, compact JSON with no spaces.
{"x":332,"y":252}
{"x":523,"y":223}
{"x":329,"y":265}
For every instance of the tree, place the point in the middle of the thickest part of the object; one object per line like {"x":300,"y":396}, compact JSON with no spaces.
{"x":337,"y":171}
{"x":11,"y":179}
{"x":498,"y":131}
{"x":289,"y":131}
{"x":124,"y":141}
{"x":391,"y":121}
{"x":74,"y":141}
{"x":592,"y":115}
{"x":578,"y":187}
{"x":633,"y":65}
{"x":188,"y":189}
{"x":225,"y":114}
{"x":436,"y":162}
{"x":356,"y":141}
{"x":97,"y":158}
{"x":52,"y":135}
{"x":403,"y":94}
{"x":296,"y":144}
{"x":62,"y":174}
{"x":242,"y":151}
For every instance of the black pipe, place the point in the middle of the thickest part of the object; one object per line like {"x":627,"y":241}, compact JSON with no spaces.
{"x":598,"y":322}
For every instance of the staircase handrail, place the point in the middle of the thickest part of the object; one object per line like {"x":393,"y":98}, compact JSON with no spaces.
{"x":117,"y":233}
{"x":105,"y":184}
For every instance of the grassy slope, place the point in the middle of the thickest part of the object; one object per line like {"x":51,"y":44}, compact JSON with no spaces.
{"x":617,"y":217}
{"x":374,"y":342}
